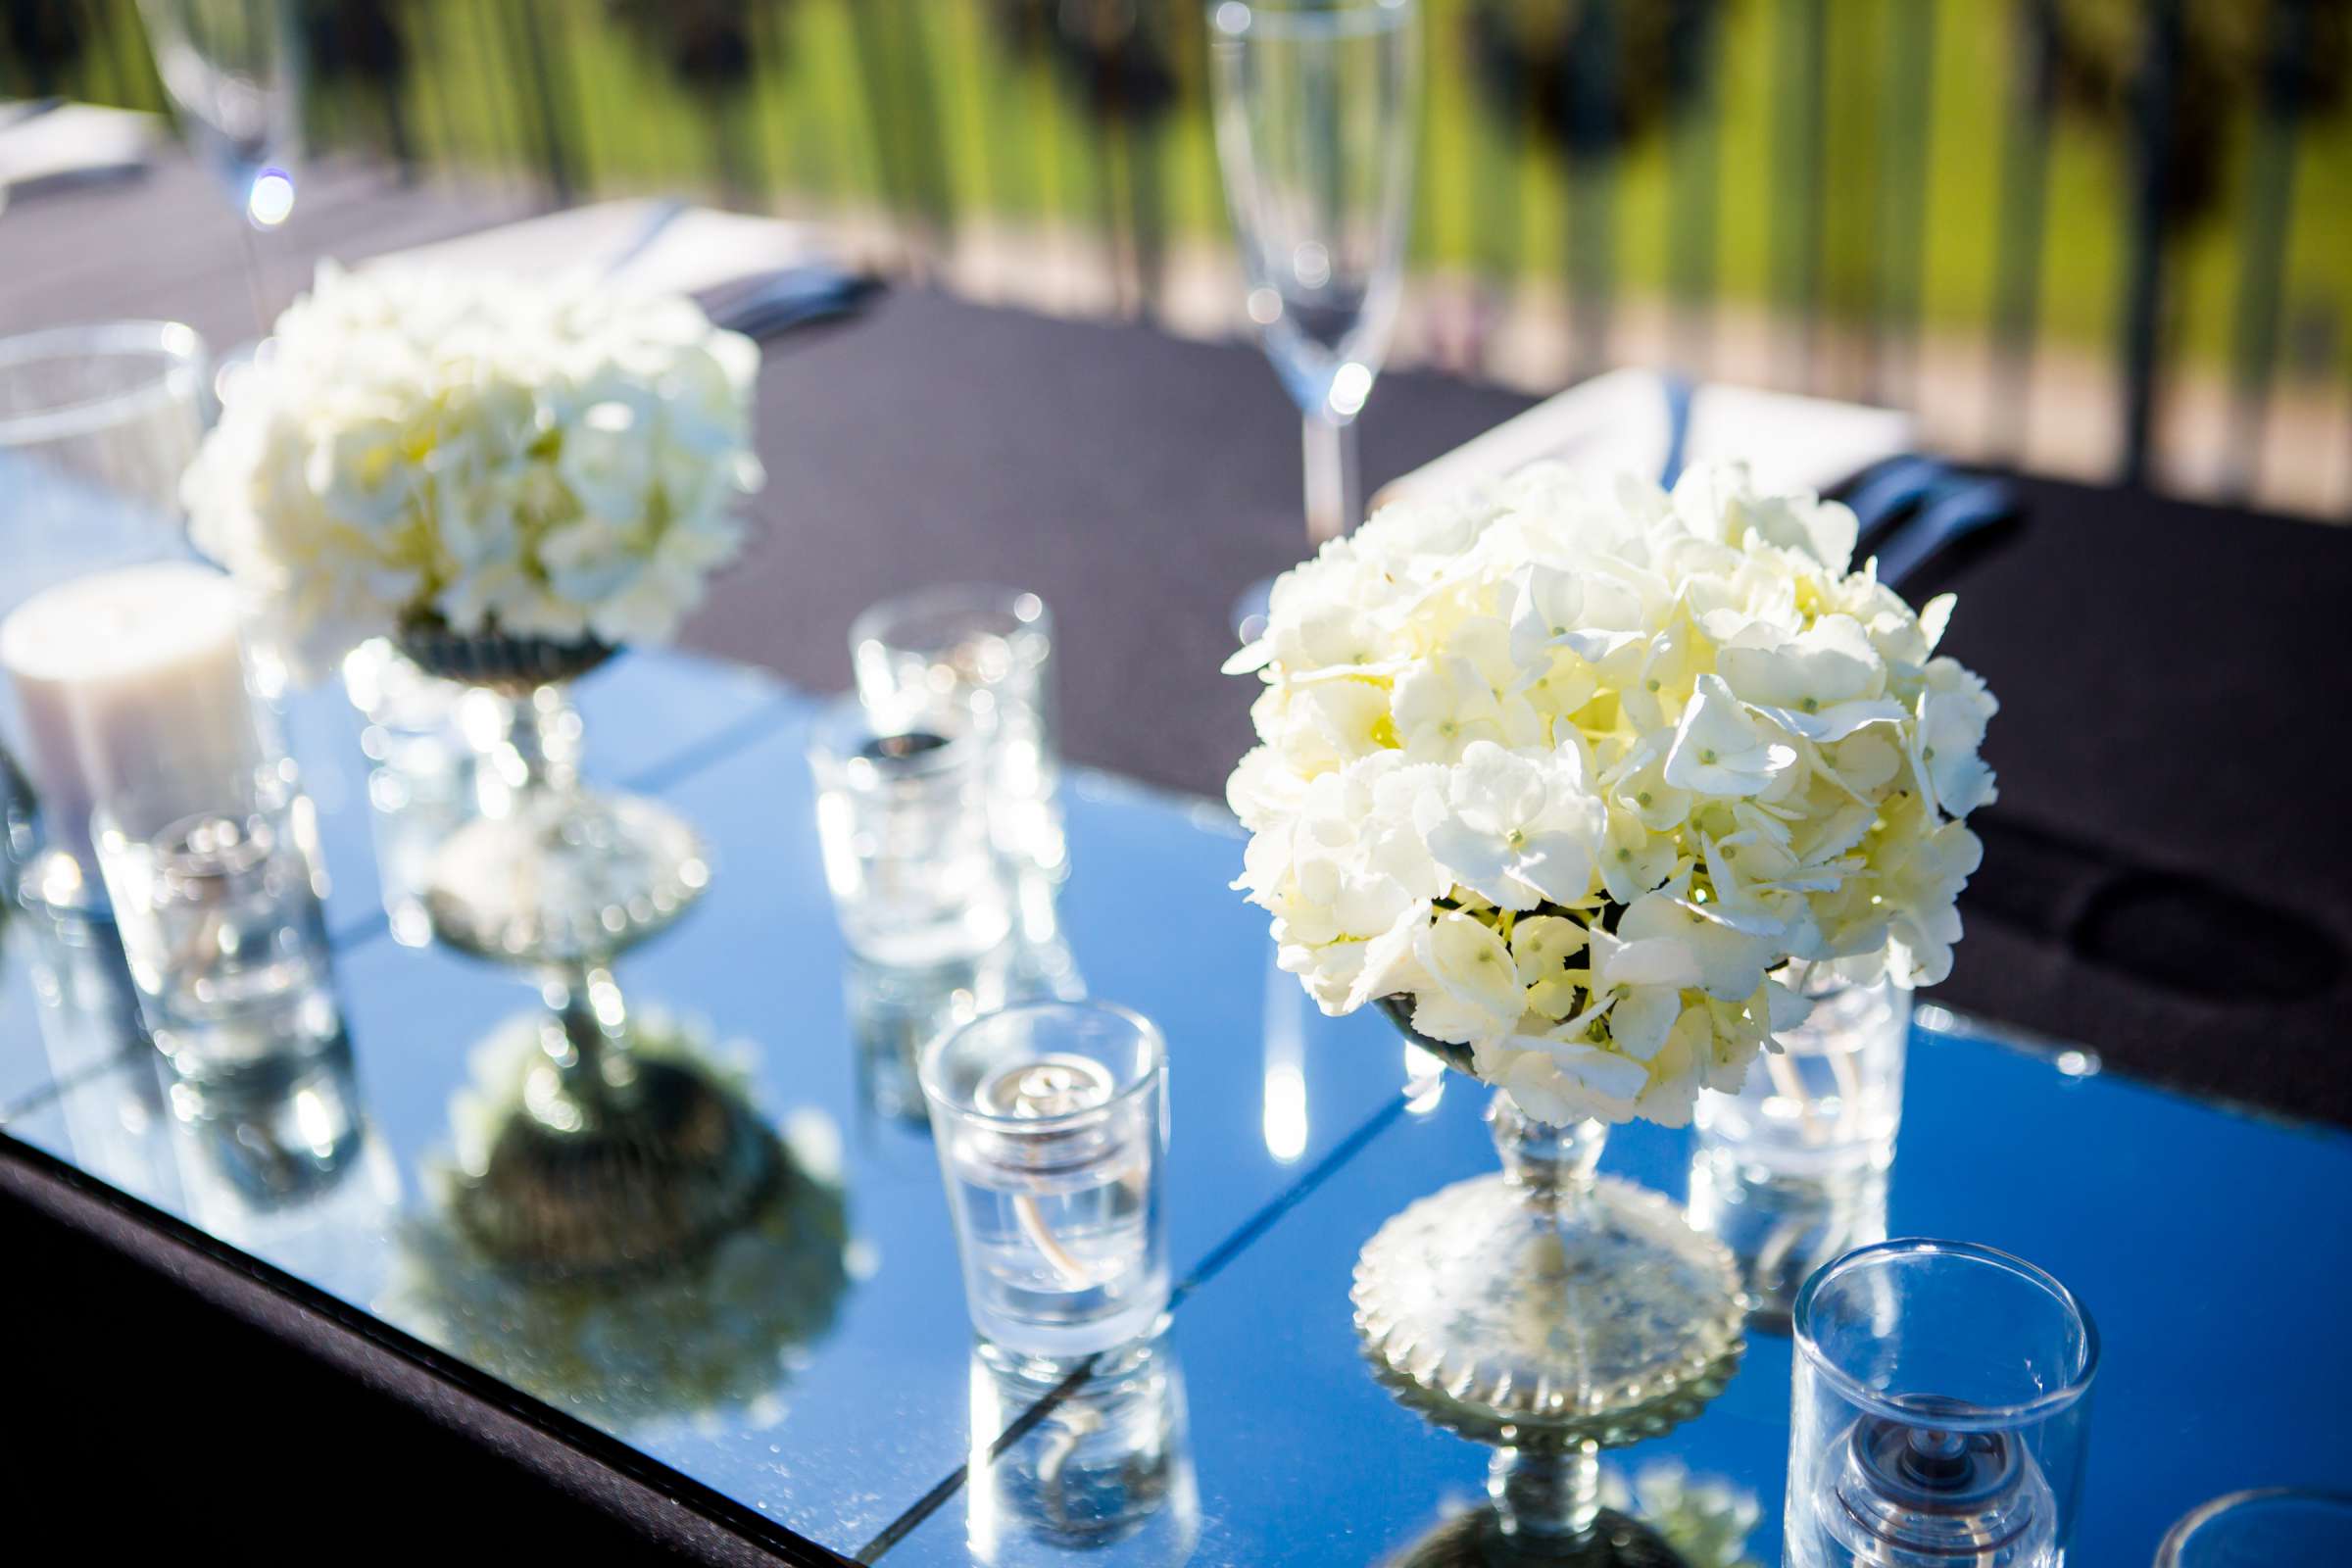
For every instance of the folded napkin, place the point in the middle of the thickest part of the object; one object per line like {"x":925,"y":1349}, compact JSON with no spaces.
{"x":47,"y":144}
{"x":649,"y":243}
{"x":1626,"y":419}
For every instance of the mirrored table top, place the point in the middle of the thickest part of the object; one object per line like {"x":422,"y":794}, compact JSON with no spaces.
{"x":818,"y":1368}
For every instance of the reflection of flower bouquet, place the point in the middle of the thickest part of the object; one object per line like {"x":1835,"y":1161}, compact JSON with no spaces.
{"x":1704,"y":1518}
{"x":552,"y":459}
{"x":722,"y":1333}
{"x":1565,"y":768}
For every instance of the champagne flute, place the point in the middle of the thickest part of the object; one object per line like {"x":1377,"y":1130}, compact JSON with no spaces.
{"x":233,"y":69}
{"x":1315,"y":116}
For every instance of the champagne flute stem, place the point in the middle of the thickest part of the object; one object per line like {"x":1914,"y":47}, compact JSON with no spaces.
{"x":257,"y":277}
{"x":1335,"y":501}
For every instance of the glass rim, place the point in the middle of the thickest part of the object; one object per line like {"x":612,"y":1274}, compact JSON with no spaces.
{"x":927,"y":1074}
{"x":2185,"y":1527}
{"x":1023,"y":607}
{"x":175,"y":343}
{"x":1988,"y":1418}
{"x":957,"y":752}
{"x":1234,"y":20}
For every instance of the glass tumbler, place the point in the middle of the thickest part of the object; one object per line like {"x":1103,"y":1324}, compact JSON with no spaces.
{"x":97,"y":423}
{"x":1940,"y":1414}
{"x":222,"y":925}
{"x":2265,"y":1528}
{"x":1831,"y":1099}
{"x":984,"y":655}
{"x":1050,"y":1120}
{"x":902,"y":814}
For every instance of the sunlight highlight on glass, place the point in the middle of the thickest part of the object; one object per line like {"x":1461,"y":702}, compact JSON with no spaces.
{"x":271,"y":201}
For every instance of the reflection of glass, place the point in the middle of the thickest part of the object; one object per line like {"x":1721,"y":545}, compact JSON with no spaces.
{"x":1665,"y":1518}
{"x":1831,"y":1097}
{"x":289,"y":1171}
{"x":984,"y":655}
{"x":2266,"y":1528}
{"x":1316,"y":118}
{"x":96,"y":425}
{"x":1782,"y":1229}
{"x":1050,"y":1120}
{"x":1941,"y":1410}
{"x":227,"y":940}
{"x":1463,"y":1293}
{"x":895,"y":1012}
{"x":89,"y":1015}
{"x":1544,"y":1484}
{"x":1108,"y":1462}
{"x":902,"y":818}
{"x":421,"y":784}
{"x":721,"y":1330}
{"x":230,"y":68}
{"x":1283,"y":1108}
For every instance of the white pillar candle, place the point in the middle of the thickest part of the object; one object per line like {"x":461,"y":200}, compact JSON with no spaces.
{"x":131,"y":685}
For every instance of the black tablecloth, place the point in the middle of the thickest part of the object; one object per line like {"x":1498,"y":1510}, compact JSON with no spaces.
{"x":2167,"y":672}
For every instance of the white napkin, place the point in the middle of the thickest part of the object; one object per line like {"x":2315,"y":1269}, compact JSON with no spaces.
{"x":62,"y":144}
{"x":648,"y":243}
{"x":1621,"y":418}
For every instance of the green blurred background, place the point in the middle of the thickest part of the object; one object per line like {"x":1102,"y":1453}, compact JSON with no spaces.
{"x":1892,"y":196}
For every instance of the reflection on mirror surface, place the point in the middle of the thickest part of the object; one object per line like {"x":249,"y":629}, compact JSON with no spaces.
{"x":1782,"y":1229}
{"x":894,"y":1010}
{"x":290,"y":1171}
{"x":719,"y":1331}
{"x":1661,"y":1516}
{"x":1285,"y":1114}
{"x":1060,"y":1468}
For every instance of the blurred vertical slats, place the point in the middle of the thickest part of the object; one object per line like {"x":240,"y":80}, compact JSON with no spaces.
{"x":2107,"y":235}
{"x":2262,"y":266}
{"x":2144,"y":273}
{"x":2025,"y":153}
{"x":1799,"y":43}
{"x":1907,"y":117}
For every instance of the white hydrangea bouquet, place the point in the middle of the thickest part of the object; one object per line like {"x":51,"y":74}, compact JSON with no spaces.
{"x":1562,"y":770}
{"x":553,"y":458}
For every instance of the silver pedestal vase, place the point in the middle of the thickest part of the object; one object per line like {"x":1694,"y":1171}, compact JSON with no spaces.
{"x":1549,"y":1312}
{"x":609,"y":1162}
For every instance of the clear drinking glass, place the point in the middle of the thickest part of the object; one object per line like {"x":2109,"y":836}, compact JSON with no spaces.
{"x":1050,"y":1120}
{"x":984,"y":655}
{"x":1316,"y":104}
{"x":2269,"y":1527}
{"x":902,"y":818}
{"x":233,"y":69}
{"x":1940,"y":1414}
{"x":1782,"y":1229}
{"x":221,"y":921}
{"x":1831,"y":1099}
{"x":96,"y":425}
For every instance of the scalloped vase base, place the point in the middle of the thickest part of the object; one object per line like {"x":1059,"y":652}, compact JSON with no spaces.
{"x":1591,"y":1314}
{"x":564,"y":877}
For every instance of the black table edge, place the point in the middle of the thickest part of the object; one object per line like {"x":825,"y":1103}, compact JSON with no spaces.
{"x":588,"y":1465}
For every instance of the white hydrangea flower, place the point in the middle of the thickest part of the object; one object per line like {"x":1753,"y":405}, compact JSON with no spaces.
{"x":1574,"y":764}
{"x":553,"y":457}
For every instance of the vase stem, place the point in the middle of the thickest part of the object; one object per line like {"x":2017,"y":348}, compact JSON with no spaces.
{"x":1551,"y":1165}
{"x":535,"y":748}
{"x":586,"y":1038}
{"x":1546,"y":1502}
